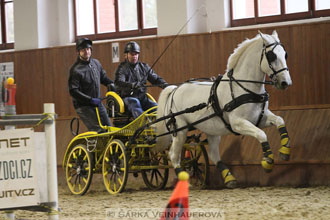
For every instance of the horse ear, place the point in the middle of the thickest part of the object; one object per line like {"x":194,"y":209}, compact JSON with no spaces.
{"x":262,"y":36}
{"x":274,"y":34}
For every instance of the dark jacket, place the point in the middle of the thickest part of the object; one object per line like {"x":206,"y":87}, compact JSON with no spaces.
{"x":128,"y":74}
{"x":84,"y":81}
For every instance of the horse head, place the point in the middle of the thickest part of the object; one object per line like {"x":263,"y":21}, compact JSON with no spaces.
{"x":273,"y":60}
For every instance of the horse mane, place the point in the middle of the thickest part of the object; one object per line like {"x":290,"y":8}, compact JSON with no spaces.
{"x":234,"y":57}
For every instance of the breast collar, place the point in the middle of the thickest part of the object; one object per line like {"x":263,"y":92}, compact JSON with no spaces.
{"x":249,"y":97}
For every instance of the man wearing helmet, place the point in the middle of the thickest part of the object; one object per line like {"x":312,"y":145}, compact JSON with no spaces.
{"x":131,"y":78}
{"x":86,"y":75}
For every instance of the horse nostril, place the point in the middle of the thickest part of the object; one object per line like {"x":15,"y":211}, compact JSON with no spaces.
{"x":284,"y":85}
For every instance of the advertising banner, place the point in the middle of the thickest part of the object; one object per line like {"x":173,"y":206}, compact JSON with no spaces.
{"x":18,"y":174}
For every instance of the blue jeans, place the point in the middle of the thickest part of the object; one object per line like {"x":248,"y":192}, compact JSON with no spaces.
{"x":88,"y":115}
{"x":137,"y":106}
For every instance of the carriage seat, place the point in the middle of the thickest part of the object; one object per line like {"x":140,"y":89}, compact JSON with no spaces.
{"x":117,"y":111}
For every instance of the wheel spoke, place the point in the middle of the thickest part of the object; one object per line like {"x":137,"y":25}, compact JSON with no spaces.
{"x":78,"y":170}
{"x":156,"y":178}
{"x":121,"y":156}
{"x":112,"y":177}
{"x":76,"y":179}
{"x":114,"y":167}
{"x":105,"y":173}
{"x":197,"y":164}
{"x":120,"y":181}
{"x":160,"y":175}
{"x":152,"y":176}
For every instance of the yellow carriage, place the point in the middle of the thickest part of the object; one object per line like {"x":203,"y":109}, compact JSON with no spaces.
{"x":121,"y":150}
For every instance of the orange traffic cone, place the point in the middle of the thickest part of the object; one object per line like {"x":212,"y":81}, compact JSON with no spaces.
{"x":177,"y":207}
{"x":187,"y":154}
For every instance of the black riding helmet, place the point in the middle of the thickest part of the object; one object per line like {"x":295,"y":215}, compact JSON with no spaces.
{"x":132,"y":46}
{"x":83,"y":43}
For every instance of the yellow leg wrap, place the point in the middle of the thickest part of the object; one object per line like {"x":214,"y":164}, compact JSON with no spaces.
{"x":285,"y":150}
{"x":224,"y":173}
{"x":267,"y":166}
{"x":268,"y":159}
{"x":227,"y":176}
{"x":285,"y":141}
{"x":271,"y":156}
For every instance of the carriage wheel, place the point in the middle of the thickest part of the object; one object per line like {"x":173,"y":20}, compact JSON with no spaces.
{"x":156,"y":178}
{"x":115,"y":167}
{"x":79,"y":170}
{"x":196,"y":162}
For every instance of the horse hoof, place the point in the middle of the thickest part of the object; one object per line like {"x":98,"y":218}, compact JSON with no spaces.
{"x":285,"y":153}
{"x":267,"y":163}
{"x":285,"y":157}
{"x":231,"y":184}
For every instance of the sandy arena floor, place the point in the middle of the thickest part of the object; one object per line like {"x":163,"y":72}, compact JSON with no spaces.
{"x":241,"y":203}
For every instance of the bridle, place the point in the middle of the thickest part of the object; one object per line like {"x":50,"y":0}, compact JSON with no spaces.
{"x":271,"y":57}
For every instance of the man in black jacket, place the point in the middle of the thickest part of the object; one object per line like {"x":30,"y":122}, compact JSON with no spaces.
{"x":131,"y":78}
{"x":86,"y":75}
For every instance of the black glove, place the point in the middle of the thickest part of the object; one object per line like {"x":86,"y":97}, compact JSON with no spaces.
{"x":164,"y":85}
{"x":96,"y":102}
{"x":111,"y":87}
{"x":136,"y":85}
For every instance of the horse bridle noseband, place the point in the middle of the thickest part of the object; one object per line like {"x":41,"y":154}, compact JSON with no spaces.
{"x":271,"y":57}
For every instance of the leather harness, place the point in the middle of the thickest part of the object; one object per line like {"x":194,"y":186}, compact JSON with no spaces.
{"x":250,"y":97}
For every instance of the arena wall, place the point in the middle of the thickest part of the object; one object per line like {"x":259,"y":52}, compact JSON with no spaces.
{"x":41,"y":76}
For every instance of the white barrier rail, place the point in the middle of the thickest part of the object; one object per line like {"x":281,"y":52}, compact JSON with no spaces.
{"x":48,"y":119}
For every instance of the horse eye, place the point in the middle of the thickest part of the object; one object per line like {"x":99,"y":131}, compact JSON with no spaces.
{"x":286,"y":55}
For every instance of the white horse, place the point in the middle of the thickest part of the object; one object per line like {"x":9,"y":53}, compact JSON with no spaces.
{"x":239,"y":105}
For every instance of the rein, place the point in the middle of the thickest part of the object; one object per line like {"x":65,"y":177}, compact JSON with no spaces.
{"x":250,"y":97}
{"x":172,"y":115}
{"x":211,"y":79}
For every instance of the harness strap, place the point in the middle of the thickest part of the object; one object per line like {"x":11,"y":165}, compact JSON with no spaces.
{"x":215,"y":103}
{"x":261,"y":114}
{"x":190,"y":126}
{"x":172,"y":120}
{"x":245,"y":98}
{"x":232,"y":79}
{"x":250,"y":97}
{"x":171,"y":115}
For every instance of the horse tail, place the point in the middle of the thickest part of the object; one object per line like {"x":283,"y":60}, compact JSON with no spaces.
{"x":163,"y":142}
